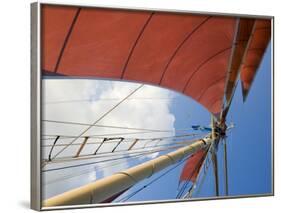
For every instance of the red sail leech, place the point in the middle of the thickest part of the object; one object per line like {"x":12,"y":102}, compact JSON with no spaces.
{"x":192,"y":166}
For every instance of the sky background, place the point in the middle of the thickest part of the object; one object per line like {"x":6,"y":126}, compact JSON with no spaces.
{"x":249,"y":143}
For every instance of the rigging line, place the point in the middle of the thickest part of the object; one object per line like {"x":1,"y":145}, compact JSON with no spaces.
{"x":162,"y":139}
{"x":183,"y":188}
{"x":95,"y":162}
{"x":198,"y":166}
{"x":97,"y":137}
{"x":105,"y":155}
{"x":215,"y":170}
{"x":122,"y":152}
{"x":108,"y":99}
{"x":117,"y":153}
{"x":121,"y":161}
{"x":157,"y":144}
{"x":77,"y":144}
{"x":116,"y":127}
{"x":51,"y":137}
{"x":66,"y":39}
{"x":201,"y":183}
{"x":189,"y":194}
{"x":107,"y":160}
{"x":129,"y":140}
{"x":148,"y":142}
{"x":102,"y":117}
{"x":152,"y":181}
{"x":225,"y":167}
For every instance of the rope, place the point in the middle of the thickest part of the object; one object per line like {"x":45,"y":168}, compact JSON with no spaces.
{"x":102,"y":161}
{"x":98,"y":137}
{"x":113,"y":127}
{"x":121,"y":161}
{"x":120,"y":152}
{"x":201,"y":183}
{"x":98,"y":120}
{"x":189,"y":194}
{"x":109,"y":99}
{"x":198,"y":166}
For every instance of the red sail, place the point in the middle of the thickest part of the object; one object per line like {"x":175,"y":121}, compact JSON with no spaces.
{"x":183,"y":52}
{"x":192,"y":166}
{"x":259,"y":41}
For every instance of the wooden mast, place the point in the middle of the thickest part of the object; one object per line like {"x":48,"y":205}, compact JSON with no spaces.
{"x":107,"y":187}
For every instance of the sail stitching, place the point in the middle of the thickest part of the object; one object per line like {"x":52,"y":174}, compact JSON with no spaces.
{"x":135,"y":44}
{"x":67,"y":39}
{"x":180,"y":45}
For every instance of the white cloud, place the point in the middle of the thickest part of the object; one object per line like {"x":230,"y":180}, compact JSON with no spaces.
{"x":138,"y":113}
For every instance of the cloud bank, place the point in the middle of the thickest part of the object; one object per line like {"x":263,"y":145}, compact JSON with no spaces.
{"x":84,"y":101}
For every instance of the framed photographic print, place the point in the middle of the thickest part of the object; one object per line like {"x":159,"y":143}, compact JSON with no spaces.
{"x":133,"y":106}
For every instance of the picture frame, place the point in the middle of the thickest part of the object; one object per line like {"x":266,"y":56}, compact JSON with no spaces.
{"x":39,"y":62}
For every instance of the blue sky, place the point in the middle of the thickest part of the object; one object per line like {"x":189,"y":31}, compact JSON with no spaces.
{"x":249,"y":143}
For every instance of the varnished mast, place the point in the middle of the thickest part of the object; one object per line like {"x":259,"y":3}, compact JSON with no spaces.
{"x":107,"y":187}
